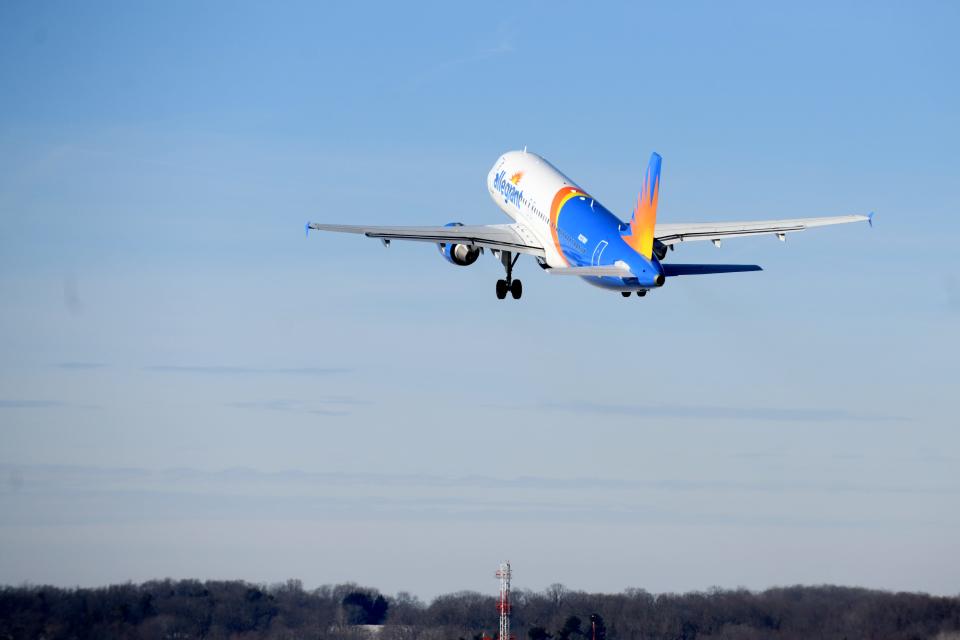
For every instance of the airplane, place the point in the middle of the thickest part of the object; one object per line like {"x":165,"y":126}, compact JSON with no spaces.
{"x":570,"y":233}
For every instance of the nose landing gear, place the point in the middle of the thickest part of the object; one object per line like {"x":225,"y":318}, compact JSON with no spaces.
{"x":515,"y":287}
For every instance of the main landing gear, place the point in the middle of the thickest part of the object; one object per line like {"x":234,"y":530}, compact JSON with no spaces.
{"x":515,"y":287}
{"x":640,"y":293}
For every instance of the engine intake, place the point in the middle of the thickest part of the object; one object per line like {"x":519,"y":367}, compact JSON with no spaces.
{"x":461,"y":255}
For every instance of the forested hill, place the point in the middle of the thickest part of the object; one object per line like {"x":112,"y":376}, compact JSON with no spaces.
{"x":219,"y":609}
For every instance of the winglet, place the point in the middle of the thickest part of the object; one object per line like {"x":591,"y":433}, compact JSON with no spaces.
{"x":870,"y":219}
{"x":640,"y":236}
{"x":306,"y":229}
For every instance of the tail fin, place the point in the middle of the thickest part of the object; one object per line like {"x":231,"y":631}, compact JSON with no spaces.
{"x":640,"y":236}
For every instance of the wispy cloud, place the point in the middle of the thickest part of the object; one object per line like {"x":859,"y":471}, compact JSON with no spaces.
{"x":63,"y":494}
{"x":42,"y":404}
{"x":715,"y":412}
{"x":445,"y":66}
{"x":80,"y":366}
{"x":757,"y":455}
{"x":324,"y":405}
{"x":31,"y":404}
{"x":235,"y":370}
{"x":182,"y":477}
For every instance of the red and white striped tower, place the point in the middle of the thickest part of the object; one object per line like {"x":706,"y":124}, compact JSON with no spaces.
{"x":503,"y":603}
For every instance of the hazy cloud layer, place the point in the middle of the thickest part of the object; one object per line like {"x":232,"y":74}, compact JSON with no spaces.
{"x":577,"y":489}
{"x":158,"y":227}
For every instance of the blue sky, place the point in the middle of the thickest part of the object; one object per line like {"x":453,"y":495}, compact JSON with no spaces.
{"x":188,"y":387}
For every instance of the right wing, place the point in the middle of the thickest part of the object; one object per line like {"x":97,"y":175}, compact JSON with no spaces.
{"x":671,"y":233}
{"x":506,"y":237}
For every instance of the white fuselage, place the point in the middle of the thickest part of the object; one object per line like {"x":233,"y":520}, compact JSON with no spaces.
{"x":525,"y":191}
{"x":572,"y":227}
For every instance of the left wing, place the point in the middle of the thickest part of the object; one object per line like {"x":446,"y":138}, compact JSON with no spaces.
{"x":671,"y":233}
{"x":508,"y":237}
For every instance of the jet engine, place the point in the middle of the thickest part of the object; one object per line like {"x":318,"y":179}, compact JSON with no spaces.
{"x":660,"y":249}
{"x":461,"y":255}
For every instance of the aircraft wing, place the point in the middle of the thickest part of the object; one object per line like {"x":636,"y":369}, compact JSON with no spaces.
{"x":671,"y":233}
{"x":508,"y":237}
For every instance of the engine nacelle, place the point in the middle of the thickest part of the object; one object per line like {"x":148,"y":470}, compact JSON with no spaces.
{"x":660,"y":249}
{"x":461,"y":255}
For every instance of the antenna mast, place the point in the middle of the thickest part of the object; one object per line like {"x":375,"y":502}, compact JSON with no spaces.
{"x":503,"y":603}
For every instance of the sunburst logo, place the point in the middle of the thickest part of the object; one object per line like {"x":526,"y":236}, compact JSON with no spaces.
{"x":508,"y":188}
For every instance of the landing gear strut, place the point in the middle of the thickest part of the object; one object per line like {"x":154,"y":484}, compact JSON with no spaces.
{"x":515,"y":287}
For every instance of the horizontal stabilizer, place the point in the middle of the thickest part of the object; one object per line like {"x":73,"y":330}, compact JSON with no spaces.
{"x":671,"y":270}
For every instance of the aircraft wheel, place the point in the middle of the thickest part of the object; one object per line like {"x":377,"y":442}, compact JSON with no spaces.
{"x":625,"y":294}
{"x":516,"y":289}
{"x":501,"y":289}
{"x":642,"y":293}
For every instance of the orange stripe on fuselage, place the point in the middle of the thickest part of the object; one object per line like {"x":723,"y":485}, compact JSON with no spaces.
{"x":560,"y":199}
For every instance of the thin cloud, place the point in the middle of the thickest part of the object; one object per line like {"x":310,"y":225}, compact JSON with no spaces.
{"x":713,"y":412}
{"x":757,"y":455}
{"x":80,"y":366}
{"x":42,"y":404}
{"x":58,"y":494}
{"x":31,"y":404}
{"x":180,"y":477}
{"x":233,"y":370}
{"x":331,"y":405}
{"x":445,"y":66}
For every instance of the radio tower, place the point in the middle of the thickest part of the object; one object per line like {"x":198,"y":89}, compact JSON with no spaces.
{"x":503,"y":603}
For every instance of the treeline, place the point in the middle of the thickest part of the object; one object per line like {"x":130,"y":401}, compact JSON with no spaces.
{"x":169,"y":609}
